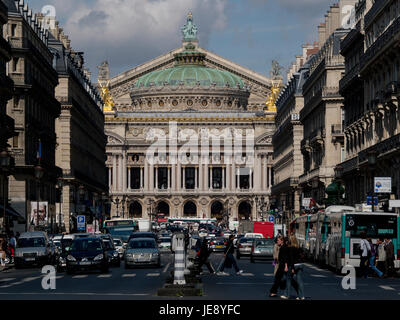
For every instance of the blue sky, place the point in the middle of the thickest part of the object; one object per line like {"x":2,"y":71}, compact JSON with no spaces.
{"x":129,"y":32}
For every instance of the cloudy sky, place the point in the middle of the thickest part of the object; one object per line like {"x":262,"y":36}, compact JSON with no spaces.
{"x":129,"y":32}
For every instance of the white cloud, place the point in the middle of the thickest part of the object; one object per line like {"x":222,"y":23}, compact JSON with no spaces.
{"x":130,"y":32}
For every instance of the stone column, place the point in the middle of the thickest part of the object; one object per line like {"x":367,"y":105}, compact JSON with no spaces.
{"x":156,"y":186}
{"x":179,"y":176}
{"x":141,"y":177}
{"x":124,"y":172}
{"x":233,"y":187}
{"x":120,"y":174}
{"x":146,"y":175}
{"x":269,"y":177}
{"x":196,"y":169}
{"x":201,"y":176}
{"x":210,"y":184}
{"x":129,"y":178}
{"x":173,"y":175}
{"x":151,"y":182}
{"x":228,"y":177}
{"x":169,"y":177}
{"x":251,"y":179}
{"x":114,"y":173}
{"x":110,"y":183}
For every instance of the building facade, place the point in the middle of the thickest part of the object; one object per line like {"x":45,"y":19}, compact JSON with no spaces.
{"x":6,"y":122}
{"x":81,"y":141}
{"x":323,"y":139}
{"x":196,"y":104}
{"x":288,"y":160}
{"x":34,"y":108}
{"x":372,"y":118}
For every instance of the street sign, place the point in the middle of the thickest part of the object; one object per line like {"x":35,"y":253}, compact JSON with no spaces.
{"x":306,"y":202}
{"x":271,"y":219}
{"x":81,"y":225}
{"x":383,"y":185}
{"x":372,"y":201}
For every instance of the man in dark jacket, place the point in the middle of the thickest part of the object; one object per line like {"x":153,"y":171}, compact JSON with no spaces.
{"x":229,"y":258}
{"x":203,"y":256}
{"x":389,"y":249}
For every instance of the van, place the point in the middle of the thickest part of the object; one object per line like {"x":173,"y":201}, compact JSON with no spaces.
{"x":33,"y":248}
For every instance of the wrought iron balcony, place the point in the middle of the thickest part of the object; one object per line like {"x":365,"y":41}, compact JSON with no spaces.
{"x":375,"y":9}
{"x":349,"y":77}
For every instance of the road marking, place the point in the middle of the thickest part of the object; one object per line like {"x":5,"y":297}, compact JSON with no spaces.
{"x":30,"y":279}
{"x":153,"y":274}
{"x":166,"y":267}
{"x":7,"y":279}
{"x":240,"y":283}
{"x":59,"y":277}
{"x":129,"y":275}
{"x":268,"y":274}
{"x":387,"y":287}
{"x":247,"y":274}
{"x":81,"y":276}
{"x":318,"y":275}
{"x":7,"y":286}
{"x":104,"y":276}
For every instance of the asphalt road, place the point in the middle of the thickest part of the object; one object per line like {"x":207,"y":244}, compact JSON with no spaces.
{"x":142,"y":284}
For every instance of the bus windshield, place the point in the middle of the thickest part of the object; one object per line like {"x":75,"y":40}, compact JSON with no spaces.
{"x":374,"y":226}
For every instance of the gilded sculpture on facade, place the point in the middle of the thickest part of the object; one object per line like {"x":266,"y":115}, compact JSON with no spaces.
{"x":104,"y":84}
{"x":276,"y":86}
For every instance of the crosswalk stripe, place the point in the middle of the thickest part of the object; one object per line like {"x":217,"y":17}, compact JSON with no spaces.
{"x":153,"y":274}
{"x":268,"y":274}
{"x":129,"y":275}
{"x":7,"y":279}
{"x":30,"y":279}
{"x":318,"y":276}
{"x":247,"y":274}
{"x":104,"y":276}
{"x":81,"y":276}
{"x":59,"y":277}
{"x":387,"y":287}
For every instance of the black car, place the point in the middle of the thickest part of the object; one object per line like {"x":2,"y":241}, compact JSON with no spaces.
{"x":62,"y":252}
{"x":143,"y":235}
{"x":87,"y":254}
{"x":112,"y":252}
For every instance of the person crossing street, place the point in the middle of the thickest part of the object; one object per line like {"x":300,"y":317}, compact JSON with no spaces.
{"x":229,"y":259}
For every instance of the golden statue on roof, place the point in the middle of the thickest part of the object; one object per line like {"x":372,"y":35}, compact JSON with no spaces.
{"x":104,"y":84}
{"x":276,"y":87}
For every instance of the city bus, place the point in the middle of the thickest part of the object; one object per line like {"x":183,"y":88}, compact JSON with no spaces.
{"x":333,"y":237}
{"x":121,"y":228}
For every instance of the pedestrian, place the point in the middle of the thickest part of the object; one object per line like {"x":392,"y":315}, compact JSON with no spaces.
{"x":275,"y":256}
{"x":290,"y":273}
{"x":283,"y":260}
{"x":204,"y":255}
{"x":12,"y":246}
{"x":298,"y":258}
{"x":381,"y":256}
{"x":374,"y":249}
{"x":365,"y":249}
{"x":2,"y":252}
{"x":229,"y":258}
{"x":17,"y":235}
{"x":389,"y":249}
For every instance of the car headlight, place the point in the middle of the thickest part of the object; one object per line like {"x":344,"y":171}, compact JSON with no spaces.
{"x":19,"y":254}
{"x":129,"y":255}
{"x":70,"y":258}
{"x":99,"y":257}
{"x":115,"y":254}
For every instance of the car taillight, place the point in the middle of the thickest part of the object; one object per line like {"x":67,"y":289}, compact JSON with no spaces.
{"x":398,"y":254}
{"x":343,"y":253}
{"x":240,"y":246}
{"x":252,"y":249}
{"x":212,"y":243}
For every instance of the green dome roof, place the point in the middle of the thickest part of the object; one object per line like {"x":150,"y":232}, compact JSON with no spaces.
{"x":190,"y":75}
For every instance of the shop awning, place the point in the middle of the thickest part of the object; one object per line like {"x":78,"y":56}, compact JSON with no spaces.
{"x":12,"y":213}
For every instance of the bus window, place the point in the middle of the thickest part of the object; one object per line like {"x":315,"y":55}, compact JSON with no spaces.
{"x":374,"y":226}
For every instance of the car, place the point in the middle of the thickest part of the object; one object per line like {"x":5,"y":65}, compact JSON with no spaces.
{"x":87,"y":253}
{"x":139,"y":234}
{"x":33,"y":248}
{"x":262,"y":249}
{"x":142,"y":251}
{"x":237,"y":237}
{"x":62,"y":242}
{"x":218,"y":244}
{"x":244,"y":247}
{"x":119,"y":245}
{"x":254,"y":235}
{"x":203,"y":233}
{"x":112,"y":252}
{"x":164,"y":243}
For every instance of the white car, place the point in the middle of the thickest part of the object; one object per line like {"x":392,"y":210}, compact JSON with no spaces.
{"x":119,"y":246}
{"x":203,"y":233}
{"x":254,"y":235}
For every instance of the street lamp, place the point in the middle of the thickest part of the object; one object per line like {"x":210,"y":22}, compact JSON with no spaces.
{"x":372,"y":158}
{"x":117,"y":201}
{"x":123,"y":205}
{"x":5,"y":164}
{"x":105,"y":199}
{"x":338,"y":175}
{"x":39,"y":172}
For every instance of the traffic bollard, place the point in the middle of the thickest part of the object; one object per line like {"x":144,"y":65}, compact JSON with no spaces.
{"x":178,"y":246}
